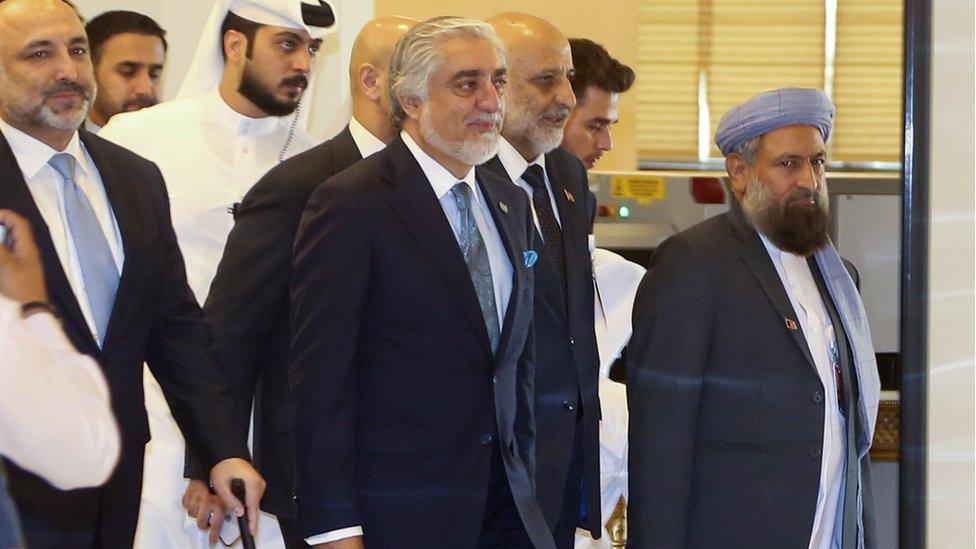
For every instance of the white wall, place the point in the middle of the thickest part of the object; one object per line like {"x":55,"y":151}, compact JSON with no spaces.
{"x":184,"y":20}
{"x":951,"y":247}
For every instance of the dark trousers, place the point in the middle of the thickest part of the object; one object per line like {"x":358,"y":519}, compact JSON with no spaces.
{"x":99,"y":518}
{"x":564,"y":534}
{"x":502,"y":525}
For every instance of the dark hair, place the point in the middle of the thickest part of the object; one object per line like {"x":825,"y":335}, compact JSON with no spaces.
{"x":111,"y":23}
{"x":248,"y":28}
{"x":594,"y":67}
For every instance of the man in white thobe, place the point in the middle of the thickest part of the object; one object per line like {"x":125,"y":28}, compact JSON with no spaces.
{"x":235,"y":118}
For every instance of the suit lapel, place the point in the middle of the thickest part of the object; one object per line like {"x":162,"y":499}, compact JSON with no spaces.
{"x":508,"y":230}
{"x":118,"y":193}
{"x":415,"y":203}
{"x":344,"y":146}
{"x":756,"y":257}
{"x":15,"y":195}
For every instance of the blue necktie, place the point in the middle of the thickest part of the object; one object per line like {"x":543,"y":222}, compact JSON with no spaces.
{"x":476,"y":257}
{"x":98,"y":269}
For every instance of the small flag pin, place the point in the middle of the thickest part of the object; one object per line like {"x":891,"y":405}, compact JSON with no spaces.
{"x":790,"y":324}
{"x":569,"y":196}
{"x":503,"y":206}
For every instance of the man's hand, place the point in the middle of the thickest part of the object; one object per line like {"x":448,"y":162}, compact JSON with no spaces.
{"x":205,"y":507}
{"x":21,"y":272}
{"x":355,"y":542}
{"x":226,"y":471}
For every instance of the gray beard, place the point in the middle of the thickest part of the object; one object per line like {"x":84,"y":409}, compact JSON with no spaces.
{"x":471,"y":154}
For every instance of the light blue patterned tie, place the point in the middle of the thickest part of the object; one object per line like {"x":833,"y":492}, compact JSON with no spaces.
{"x":476,"y":257}
{"x":95,"y":259}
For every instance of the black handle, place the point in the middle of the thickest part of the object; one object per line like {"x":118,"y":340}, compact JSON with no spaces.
{"x":247,"y":540}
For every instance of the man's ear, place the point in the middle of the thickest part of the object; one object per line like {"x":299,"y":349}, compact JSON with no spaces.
{"x":235,"y":45}
{"x":369,"y":81}
{"x":411,"y":106}
{"x":735,"y":166}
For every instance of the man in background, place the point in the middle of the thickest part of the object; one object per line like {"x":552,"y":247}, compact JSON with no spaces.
{"x":598,"y":81}
{"x":567,"y":408}
{"x":235,"y":118}
{"x":248,"y":301}
{"x":128,"y":50}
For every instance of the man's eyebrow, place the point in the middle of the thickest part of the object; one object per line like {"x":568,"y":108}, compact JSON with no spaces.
{"x":465,"y":73}
{"x":292,"y":35}
{"x":501,"y":72}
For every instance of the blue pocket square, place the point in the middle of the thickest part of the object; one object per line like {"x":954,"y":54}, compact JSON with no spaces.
{"x":530,"y":258}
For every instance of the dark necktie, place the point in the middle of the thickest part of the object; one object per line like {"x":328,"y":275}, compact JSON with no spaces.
{"x":98,"y":269}
{"x":548,"y":225}
{"x":476,"y":257}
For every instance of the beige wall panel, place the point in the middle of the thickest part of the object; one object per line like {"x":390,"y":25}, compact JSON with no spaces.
{"x":613,"y":24}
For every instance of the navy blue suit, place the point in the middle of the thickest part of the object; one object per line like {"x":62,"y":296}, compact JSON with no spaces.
{"x":400,"y":402}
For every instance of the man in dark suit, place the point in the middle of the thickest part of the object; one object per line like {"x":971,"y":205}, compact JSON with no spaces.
{"x":567,"y":405}
{"x":248,"y":301}
{"x":411,"y":359}
{"x":114,"y":271}
{"x":752,"y":382}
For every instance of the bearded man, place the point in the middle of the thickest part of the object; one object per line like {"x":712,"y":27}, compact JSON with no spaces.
{"x":234,"y":120}
{"x":752,"y":382}
{"x":567,"y":406}
{"x":411,"y":317}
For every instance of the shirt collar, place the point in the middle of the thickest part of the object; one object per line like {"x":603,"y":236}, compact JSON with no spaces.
{"x":32,"y":154}
{"x":513,"y":162}
{"x":440,"y":179}
{"x":237,"y":122}
{"x":366,"y":142}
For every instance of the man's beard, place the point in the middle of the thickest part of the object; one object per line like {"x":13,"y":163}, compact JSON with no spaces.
{"x":471,"y":154}
{"x":522,"y":125}
{"x":140,"y":102}
{"x":256,"y":92}
{"x":42,"y":115}
{"x":792,"y":226}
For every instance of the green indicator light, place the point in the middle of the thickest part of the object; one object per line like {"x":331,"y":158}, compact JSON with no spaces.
{"x":623,"y":212}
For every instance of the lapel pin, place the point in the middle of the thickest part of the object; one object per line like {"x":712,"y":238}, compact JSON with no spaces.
{"x":503,"y":206}
{"x":569,"y":196}
{"x":530,"y":257}
{"x":790,"y":324}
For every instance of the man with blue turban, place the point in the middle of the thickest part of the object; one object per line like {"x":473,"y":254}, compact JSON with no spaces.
{"x":752,"y":381}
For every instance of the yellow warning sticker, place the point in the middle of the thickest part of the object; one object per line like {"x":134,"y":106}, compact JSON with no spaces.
{"x":645,"y":189}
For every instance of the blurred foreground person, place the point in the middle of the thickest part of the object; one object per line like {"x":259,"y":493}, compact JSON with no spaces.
{"x":751,"y":380}
{"x":55,"y":417}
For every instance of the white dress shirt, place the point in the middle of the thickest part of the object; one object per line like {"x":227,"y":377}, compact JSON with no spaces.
{"x":47,"y":188}
{"x":367,"y":143}
{"x":55,"y":416}
{"x":515,"y":166}
{"x":442,"y":181}
{"x":818,"y":331}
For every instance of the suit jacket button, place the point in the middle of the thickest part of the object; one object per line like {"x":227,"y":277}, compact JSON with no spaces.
{"x":572,"y":341}
{"x":568,"y":405}
{"x":817,"y":397}
{"x":494,"y":379}
{"x":486,"y":439}
{"x":815,"y":451}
